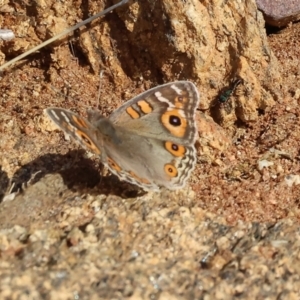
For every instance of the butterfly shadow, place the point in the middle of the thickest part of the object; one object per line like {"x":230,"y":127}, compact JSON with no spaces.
{"x":78,"y":173}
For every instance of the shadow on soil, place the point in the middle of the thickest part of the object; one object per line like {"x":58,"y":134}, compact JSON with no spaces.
{"x":77,"y":171}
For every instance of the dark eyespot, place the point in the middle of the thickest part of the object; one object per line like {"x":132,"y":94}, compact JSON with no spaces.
{"x":86,"y":139}
{"x":175,"y":147}
{"x":175,"y":121}
{"x":171,"y":170}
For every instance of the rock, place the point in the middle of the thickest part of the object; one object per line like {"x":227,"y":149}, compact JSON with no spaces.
{"x":156,"y":42}
{"x":209,"y":44}
{"x":279,"y":12}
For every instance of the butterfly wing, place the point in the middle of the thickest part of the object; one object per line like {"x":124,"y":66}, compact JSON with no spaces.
{"x":79,"y":128}
{"x":148,"y":141}
{"x":164,"y":111}
{"x":158,"y":132}
{"x":147,"y":162}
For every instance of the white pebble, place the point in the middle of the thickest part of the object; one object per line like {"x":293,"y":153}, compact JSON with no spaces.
{"x":6,"y":34}
{"x":264,"y":164}
{"x":292,"y":179}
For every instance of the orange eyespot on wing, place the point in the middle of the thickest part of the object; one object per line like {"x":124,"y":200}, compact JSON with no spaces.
{"x":171,"y":170}
{"x":174,"y":122}
{"x":87,"y":142}
{"x":113,"y":164}
{"x":79,"y":121}
{"x":175,"y":149}
{"x":180,"y":102}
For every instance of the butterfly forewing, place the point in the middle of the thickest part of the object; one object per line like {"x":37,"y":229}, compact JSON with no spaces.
{"x":164,"y":111}
{"x":79,"y":128}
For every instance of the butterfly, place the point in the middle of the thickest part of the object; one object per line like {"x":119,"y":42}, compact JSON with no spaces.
{"x":148,"y":141}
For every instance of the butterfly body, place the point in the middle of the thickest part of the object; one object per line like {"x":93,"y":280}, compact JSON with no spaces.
{"x":148,"y":141}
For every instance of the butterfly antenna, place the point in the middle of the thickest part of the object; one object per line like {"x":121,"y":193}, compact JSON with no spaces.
{"x":65,"y":32}
{"x":73,"y":52}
